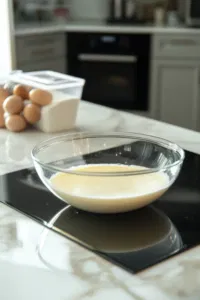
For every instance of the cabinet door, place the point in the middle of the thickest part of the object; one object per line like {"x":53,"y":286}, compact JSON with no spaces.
{"x":40,"y":47}
{"x":175,"y":92}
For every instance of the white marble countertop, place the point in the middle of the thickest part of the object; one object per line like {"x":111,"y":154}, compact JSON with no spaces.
{"x":66,"y":270}
{"x":86,"y":26}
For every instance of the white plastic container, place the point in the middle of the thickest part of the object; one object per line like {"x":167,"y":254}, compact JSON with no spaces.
{"x":61,"y":114}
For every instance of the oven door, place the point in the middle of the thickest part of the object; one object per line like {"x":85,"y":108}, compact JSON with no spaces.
{"x":111,"y":80}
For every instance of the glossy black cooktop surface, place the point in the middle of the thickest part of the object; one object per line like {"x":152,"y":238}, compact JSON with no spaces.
{"x":134,"y":240}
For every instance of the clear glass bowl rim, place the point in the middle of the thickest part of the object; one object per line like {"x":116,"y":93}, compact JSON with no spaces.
{"x":129,"y":135}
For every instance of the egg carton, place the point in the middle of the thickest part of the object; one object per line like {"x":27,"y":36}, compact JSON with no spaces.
{"x":60,"y":113}
{"x":51,"y":81}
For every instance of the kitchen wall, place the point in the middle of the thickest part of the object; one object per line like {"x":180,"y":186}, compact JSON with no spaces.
{"x":79,"y":9}
{"x":89,"y":9}
{"x":7,"y":58}
{"x":98,"y":9}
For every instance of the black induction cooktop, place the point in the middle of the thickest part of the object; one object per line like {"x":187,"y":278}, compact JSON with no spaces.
{"x":134,"y":240}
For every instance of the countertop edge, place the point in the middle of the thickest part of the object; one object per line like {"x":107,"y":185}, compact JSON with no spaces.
{"x":90,"y":27}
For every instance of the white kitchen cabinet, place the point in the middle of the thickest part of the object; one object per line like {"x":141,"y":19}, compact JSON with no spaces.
{"x":175,"y":92}
{"x":40,"y":47}
{"x":42,"y":52}
{"x":176,"y":46}
{"x":175,"y":79}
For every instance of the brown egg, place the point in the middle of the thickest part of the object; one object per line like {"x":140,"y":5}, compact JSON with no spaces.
{"x":40,"y":97}
{"x":13,"y":105}
{"x":6,"y":115}
{"x":32,"y":113}
{"x":21,"y":91}
{"x":1,"y":109}
{"x":29,"y":88}
{"x":15,"y":123}
{"x":4,"y":93}
{"x":2,"y":121}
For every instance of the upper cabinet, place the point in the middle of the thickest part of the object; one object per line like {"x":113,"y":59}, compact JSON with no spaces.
{"x":175,"y":80}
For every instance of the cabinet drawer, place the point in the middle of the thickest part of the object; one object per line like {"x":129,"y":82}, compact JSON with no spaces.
{"x":40,"y":47}
{"x":58,"y":65}
{"x":178,"y":46}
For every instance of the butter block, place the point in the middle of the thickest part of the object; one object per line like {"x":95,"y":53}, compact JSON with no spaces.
{"x":60,"y":115}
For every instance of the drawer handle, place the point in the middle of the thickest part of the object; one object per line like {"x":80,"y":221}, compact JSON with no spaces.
{"x":179,"y":42}
{"x":43,"y":52}
{"x":183,"y":42}
{"x":44,"y":41}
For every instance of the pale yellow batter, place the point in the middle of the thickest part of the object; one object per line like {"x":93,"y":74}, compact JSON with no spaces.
{"x":109,"y":194}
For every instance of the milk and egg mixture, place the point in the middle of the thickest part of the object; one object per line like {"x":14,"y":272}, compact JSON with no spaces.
{"x":109,"y":194}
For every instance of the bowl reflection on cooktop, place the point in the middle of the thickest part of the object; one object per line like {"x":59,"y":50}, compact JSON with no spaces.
{"x":141,"y":237}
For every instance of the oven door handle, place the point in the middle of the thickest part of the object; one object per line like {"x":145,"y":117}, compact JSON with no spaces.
{"x":107,"y":58}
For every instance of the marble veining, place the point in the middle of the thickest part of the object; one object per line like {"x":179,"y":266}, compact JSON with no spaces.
{"x":43,"y":264}
{"x":15,"y":149}
{"x":37,"y":263}
{"x":182,"y":271}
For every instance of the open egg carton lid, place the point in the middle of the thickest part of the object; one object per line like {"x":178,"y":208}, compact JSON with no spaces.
{"x":5,"y":77}
{"x":46,"y":79}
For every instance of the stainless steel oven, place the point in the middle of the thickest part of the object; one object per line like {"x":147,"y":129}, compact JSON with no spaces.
{"x":116,"y":68}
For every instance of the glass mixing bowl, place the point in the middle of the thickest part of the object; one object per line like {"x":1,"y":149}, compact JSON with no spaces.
{"x":107,"y":172}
